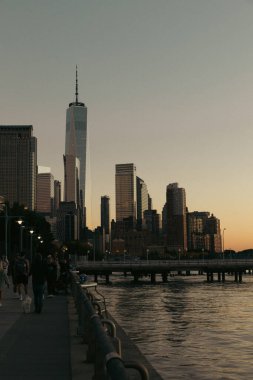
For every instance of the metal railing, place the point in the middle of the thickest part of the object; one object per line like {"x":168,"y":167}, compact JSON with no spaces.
{"x":99,"y":333}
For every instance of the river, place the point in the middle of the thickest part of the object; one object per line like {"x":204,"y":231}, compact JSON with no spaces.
{"x":188,"y":328}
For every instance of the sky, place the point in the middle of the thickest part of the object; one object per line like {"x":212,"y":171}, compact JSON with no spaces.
{"x":168,"y":85}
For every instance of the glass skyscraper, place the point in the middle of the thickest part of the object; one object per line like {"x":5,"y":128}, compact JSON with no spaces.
{"x":76,"y":140}
{"x":125,"y":182}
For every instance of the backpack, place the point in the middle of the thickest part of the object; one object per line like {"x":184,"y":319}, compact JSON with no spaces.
{"x":21,"y":266}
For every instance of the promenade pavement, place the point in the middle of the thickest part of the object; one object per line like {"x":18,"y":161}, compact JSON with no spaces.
{"x":41,"y":346}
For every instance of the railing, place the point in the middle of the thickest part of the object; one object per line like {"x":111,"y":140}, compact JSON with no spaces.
{"x":207,"y":263}
{"x":99,"y":333}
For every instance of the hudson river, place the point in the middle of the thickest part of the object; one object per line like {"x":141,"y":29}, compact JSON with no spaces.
{"x":188,"y":328}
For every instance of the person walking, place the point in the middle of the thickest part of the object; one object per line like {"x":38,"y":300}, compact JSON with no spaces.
{"x":11,"y":272}
{"x":3,"y":280}
{"x":51,"y":275}
{"x":21,"y":274}
{"x":39,"y":272}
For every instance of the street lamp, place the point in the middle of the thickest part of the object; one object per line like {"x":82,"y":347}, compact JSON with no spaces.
{"x":223,"y":244}
{"x":31,"y":244}
{"x":147,"y":251}
{"x":125,"y":251}
{"x":20,"y":221}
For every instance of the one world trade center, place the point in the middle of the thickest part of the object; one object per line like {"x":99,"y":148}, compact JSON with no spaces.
{"x":75,"y":154}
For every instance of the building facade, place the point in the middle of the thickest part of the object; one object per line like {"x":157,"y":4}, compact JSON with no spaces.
{"x":125,"y":183}
{"x":142,"y":199}
{"x":18,"y":165}
{"x":45,"y":191}
{"x":176,"y":218}
{"x":57,"y":195}
{"x":196,"y":226}
{"x":105,"y":213}
{"x":212,"y":229}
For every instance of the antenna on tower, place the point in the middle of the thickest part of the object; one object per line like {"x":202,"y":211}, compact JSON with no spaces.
{"x":76,"y":86}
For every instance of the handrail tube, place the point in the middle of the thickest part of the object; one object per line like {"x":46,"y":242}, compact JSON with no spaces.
{"x":139,"y":367}
{"x":113,"y":361}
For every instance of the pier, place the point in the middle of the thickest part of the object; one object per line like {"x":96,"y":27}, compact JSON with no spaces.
{"x":214,"y":270}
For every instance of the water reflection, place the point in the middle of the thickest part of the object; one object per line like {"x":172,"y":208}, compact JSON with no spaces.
{"x":189,"y":328}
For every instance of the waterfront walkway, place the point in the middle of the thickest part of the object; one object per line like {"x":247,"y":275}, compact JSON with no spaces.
{"x":40,"y":346}
{"x":46,"y":346}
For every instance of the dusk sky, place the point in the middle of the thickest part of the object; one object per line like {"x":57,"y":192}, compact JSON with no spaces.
{"x":168,"y":85}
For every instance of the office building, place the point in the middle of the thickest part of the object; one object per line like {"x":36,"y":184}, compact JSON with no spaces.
{"x":196,"y":231}
{"x":18,"y":165}
{"x":212,"y":229}
{"x":67,"y":228}
{"x":45,"y":191}
{"x":57,"y":195}
{"x":105,"y":213}
{"x":125,"y":183}
{"x":176,"y":218}
{"x":142,"y":198}
{"x":75,"y":146}
{"x":71,"y":179}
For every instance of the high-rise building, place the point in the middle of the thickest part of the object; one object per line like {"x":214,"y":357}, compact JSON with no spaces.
{"x":75,"y":144}
{"x":150,"y":206}
{"x":125,"y":181}
{"x":196,"y":227}
{"x":176,"y":218}
{"x":57,"y":195}
{"x":152,"y":221}
{"x":45,"y":191}
{"x":212,"y":229}
{"x":142,"y":198}
{"x":71,"y":179}
{"x":105,"y":213}
{"x":18,"y":165}
{"x":67,"y":222}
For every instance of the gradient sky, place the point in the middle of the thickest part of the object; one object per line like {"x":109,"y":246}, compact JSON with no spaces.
{"x":168,"y":85}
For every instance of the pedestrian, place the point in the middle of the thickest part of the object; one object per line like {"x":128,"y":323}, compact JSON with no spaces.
{"x":5,"y":264}
{"x":39,"y":272}
{"x":3,"y":280}
{"x":51,"y":275}
{"x":64,"y":277}
{"x":21,"y":274}
{"x":12,"y":274}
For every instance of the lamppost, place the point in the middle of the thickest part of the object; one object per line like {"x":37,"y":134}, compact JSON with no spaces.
{"x":203,"y":251}
{"x":223,"y":240}
{"x":20,"y":221}
{"x":179,"y":254}
{"x":125,"y":251}
{"x":147,"y":252}
{"x":31,"y":244}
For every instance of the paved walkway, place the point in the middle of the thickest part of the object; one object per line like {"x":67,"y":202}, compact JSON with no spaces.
{"x":38,"y":346}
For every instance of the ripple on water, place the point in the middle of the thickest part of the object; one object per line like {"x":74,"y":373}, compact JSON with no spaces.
{"x":189,"y":329}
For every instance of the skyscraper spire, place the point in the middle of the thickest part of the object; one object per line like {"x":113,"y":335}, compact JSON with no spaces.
{"x":76,"y":86}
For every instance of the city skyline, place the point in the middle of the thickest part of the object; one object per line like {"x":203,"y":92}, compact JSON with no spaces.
{"x":168,"y":85}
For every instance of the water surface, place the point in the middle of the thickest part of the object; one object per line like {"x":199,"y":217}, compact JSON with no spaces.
{"x":188,"y":328}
